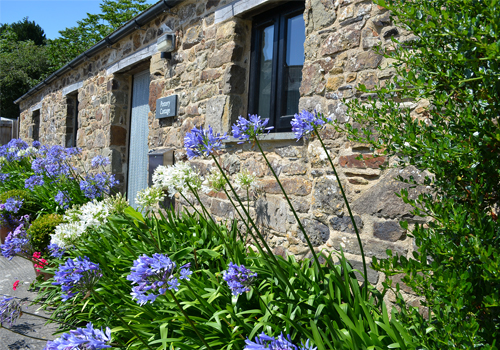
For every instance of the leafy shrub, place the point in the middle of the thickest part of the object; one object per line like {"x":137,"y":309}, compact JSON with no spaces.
{"x":453,"y":63}
{"x":40,"y":230}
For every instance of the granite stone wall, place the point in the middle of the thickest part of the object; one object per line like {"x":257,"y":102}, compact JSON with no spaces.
{"x":209,"y":71}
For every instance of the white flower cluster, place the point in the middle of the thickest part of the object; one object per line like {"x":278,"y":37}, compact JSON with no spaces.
{"x":215,"y":181}
{"x":78,"y":219}
{"x":28,"y":151}
{"x":245,"y":181}
{"x":148,"y":198}
{"x":176,"y":178}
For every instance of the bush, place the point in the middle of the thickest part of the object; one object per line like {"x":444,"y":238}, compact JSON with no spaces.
{"x":40,"y":230}
{"x":453,"y":63}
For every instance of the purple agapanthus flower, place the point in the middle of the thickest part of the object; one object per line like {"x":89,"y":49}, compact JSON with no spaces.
{"x":238,"y":278}
{"x":304,"y":123}
{"x":4,"y":177}
{"x":202,"y":142}
{"x":56,"y":251}
{"x":77,"y":276}
{"x":36,"y":144}
{"x":82,"y":338}
{"x":32,"y":181}
{"x":95,"y":186}
{"x":63,"y":199}
{"x":248,"y":129}
{"x":16,"y":243}
{"x":13,"y":205}
{"x":281,"y":342}
{"x":153,"y":276}
{"x":10,"y":310}
{"x":53,"y":161}
{"x":98,"y":161}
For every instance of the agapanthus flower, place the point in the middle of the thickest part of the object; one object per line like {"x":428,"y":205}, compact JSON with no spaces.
{"x":63,"y":199}
{"x":13,"y":205}
{"x":202,"y":142}
{"x":281,"y":342}
{"x":95,"y":186}
{"x":4,"y":177}
{"x":248,"y":129}
{"x":36,"y":144}
{"x":148,"y":198}
{"x":77,"y":276}
{"x":53,"y":161}
{"x":214,"y":181}
{"x":56,"y":251}
{"x":176,"y":178}
{"x":16,"y":243}
{"x":245,"y":181}
{"x":10,"y":310}
{"x":82,"y":338}
{"x":32,"y":181}
{"x":238,"y":278}
{"x":304,"y":123}
{"x":98,"y":161}
{"x":153,"y":276}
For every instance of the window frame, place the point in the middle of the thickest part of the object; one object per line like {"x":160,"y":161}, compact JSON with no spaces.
{"x":277,"y":16}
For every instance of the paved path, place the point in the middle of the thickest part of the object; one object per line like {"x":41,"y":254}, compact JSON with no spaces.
{"x":21,"y":269}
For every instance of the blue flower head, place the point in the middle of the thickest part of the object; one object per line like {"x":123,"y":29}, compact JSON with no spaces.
{"x":248,"y":129}
{"x":82,"y":338}
{"x":17,"y":242}
{"x":95,"y":186}
{"x":238,"y":278}
{"x":77,"y":276}
{"x":10,"y":310}
{"x":56,"y":251}
{"x":153,"y":276}
{"x":281,"y":342}
{"x":13,"y":205}
{"x":32,"y":181}
{"x":63,"y":199}
{"x":304,"y":123}
{"x":202,"y":142}
{"x":98,"y":161}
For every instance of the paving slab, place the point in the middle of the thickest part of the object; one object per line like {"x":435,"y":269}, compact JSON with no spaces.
{"x":22,"y":270}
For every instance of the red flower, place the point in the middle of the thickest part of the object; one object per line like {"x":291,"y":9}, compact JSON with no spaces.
{"x":37,"y":255}
{"x":14,"y":286}
{"x":40,"y":264}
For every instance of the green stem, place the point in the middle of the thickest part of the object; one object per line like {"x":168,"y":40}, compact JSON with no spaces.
{"x":365,"y":291}
{"x":271,"y":255}
{"x":322,"y":274}
{"x":24,"y":335}
{"x":121,"y":319}
{"x":189,"y":320}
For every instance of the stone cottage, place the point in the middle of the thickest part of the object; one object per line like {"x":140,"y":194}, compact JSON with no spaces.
{"x":272,"y":58}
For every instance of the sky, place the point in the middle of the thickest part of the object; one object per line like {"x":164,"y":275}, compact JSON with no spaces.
{"x":51,"y":15}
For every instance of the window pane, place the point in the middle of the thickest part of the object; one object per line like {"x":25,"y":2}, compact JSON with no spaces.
{"x":266,"y":70}
{"x":296,"y":35}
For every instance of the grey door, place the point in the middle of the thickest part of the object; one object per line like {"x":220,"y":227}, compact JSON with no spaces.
{"x":139,"y":129}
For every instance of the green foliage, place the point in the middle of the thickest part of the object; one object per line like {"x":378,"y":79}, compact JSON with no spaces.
{"x":26,"y":30}
{"x":453,"y":62}
{"x":40,"y":230}
{"x":332,"y":312}
{"x":22,"y":64}
{"x":90,"y":30}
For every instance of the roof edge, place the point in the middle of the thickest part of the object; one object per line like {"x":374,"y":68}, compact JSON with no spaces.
{"x":138,"y":21}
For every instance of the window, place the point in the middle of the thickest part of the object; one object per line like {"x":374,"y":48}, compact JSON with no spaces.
{"x":35,"y":128}
{"x":276,"y":65}
{"x":71,"y":119}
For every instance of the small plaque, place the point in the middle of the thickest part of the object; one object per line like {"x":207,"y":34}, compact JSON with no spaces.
{"x":166,"y":107}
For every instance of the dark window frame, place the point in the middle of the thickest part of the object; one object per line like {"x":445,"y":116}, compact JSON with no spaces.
{"x":277,"y":16}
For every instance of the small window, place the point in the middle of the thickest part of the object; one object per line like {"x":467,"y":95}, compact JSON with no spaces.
{"x":35,"y":127}
{"x":71,"y":119}
{"x":276,"y":65}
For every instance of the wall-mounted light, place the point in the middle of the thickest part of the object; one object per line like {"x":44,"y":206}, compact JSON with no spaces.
{"x":166,"y":44}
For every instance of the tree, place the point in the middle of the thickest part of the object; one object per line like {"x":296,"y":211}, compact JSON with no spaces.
{"x":454,"y":63}
{"x":26,"y":30}
{"x":90,"y":30}
{"x":22,"y":63}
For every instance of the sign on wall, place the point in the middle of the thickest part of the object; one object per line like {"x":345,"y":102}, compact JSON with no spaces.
{"x":166,"y":107}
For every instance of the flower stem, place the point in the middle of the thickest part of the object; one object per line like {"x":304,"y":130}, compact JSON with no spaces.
{"x":349,"y":210}
{"x":322,"y":274}
{"x":121,"y":319}
{"x":189,"y":320}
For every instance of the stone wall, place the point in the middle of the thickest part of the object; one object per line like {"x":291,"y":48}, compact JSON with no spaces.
{"x":209,"y":72}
